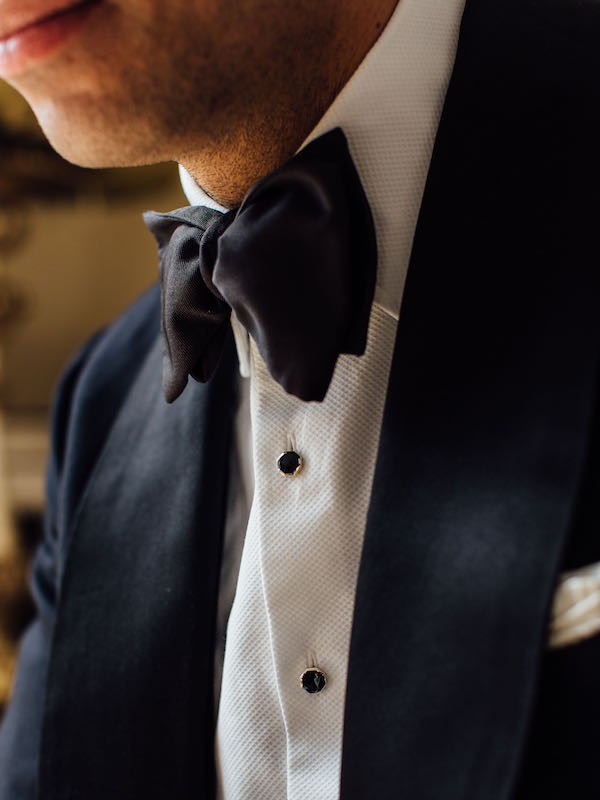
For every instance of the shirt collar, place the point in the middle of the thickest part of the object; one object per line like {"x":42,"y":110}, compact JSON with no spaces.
{"x":389,"y":112}
{"x":195,"y":193}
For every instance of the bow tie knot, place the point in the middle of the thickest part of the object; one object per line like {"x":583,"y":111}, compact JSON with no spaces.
{"x":296,"y":262}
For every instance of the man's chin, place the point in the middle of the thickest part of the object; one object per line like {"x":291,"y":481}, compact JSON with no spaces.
{"x":90,"y":143}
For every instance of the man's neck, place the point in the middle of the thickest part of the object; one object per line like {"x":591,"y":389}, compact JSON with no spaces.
{"x":278,"y":124}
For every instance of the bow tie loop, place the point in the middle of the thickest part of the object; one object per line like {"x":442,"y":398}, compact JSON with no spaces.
{"x":296,"y":262}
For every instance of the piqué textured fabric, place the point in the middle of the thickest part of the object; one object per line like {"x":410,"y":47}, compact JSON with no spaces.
{"x":268,"y":746}
{"x":294,"y":597}
{"x":576,"y":607}
{"x":295,"y":592}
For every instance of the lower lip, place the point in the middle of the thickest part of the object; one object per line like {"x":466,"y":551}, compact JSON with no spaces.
{"x":23,"y":49}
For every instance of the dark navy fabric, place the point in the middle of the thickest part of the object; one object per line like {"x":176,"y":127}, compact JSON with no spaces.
{"x":116,"y":672}
{"x":83,"y":411}
{"x":486,"y":486}
{"x":303,"y":238}
{"x":487,"y":466}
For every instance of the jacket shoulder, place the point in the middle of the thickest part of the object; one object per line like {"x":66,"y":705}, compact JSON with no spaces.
{"x":88,"y":398}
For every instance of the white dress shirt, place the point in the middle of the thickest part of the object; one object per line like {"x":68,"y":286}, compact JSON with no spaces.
{"x":294,"y":592}
{"x":293,"y":544}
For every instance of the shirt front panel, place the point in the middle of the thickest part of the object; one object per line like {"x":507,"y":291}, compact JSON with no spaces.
{"x":295,"y":595}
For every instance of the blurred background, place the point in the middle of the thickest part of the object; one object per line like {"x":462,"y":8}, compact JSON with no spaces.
{"x":74,"y":253}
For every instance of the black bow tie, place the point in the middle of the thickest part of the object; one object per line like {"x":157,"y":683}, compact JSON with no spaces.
{"x":296,"y":262}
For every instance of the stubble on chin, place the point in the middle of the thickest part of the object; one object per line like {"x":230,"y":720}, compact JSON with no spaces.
{"x":227,"y":101}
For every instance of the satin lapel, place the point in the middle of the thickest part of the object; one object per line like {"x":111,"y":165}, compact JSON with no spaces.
{"x":487,"y":416}
{"x":135,"y":626}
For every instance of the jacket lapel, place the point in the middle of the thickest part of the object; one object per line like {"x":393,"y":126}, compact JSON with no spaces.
{"x":487,"y":417}
{"x":133,"y":633}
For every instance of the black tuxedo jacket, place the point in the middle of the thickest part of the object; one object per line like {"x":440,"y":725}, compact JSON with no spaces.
{"x":487,"y":484}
